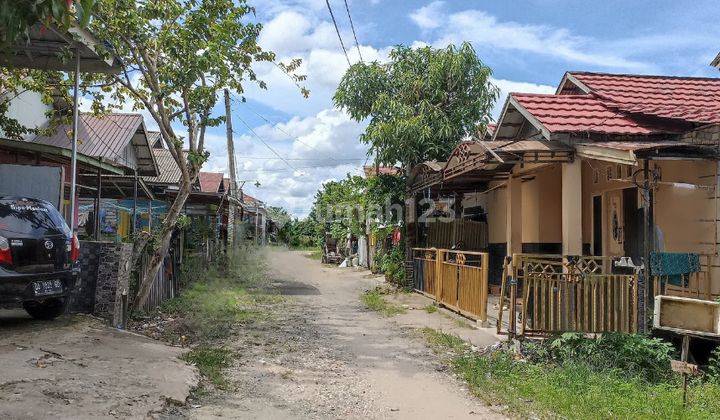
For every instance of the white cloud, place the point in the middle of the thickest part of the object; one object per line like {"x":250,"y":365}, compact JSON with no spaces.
{"x":508,"y":86}
{"x":486,"y":31}
{"x":429,"y":16}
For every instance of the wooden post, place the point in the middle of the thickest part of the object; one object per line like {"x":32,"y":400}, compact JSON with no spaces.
{"x":135,"y":197}
{"x":98,"y":197}
{"x":512,"y":318}
{"x":684,"y":358}
{"x":647,"y":244}
{"x":439,"y":258}
{"x":231,"y":167}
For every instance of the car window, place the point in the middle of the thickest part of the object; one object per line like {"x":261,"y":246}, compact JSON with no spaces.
{"x":30,"y":218}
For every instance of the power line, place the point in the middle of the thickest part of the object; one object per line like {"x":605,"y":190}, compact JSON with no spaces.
{"x":342,"y":44}
{"x":274,"y":125}
{"x":357,"y":44}
{"x":266,"y":144}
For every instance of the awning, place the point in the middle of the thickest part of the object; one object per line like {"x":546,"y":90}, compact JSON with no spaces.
{"x":628,"y":152}
{"x":46,"y":49}
{"x":60,"y":154}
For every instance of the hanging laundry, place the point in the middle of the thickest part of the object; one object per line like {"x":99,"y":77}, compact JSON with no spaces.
{"x":674,"y":265}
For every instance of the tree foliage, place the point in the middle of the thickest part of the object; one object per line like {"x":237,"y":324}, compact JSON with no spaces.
{"x":177,"y":56}
{"x":421,"y":103}
{"x":18,"y":16}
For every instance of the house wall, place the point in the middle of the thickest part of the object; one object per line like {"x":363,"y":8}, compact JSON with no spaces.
{"x":684,"y":216}
{"x":542,"y":211}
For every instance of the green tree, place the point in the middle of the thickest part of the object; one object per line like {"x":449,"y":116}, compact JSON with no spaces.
{"x":421,"y":103}
{"x":18,"y":16}
{"x":177,"y":56}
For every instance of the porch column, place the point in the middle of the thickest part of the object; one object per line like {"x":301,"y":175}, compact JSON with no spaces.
{"x":572,"y":208}
{"x":514,"y":216}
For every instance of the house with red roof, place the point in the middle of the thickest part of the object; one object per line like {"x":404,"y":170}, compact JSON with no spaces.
{"x":609,"y":166}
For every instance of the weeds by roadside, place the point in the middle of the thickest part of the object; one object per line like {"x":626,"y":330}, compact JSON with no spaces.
{"x":431,"y":309}
{"x":214,"y":302}
{"x":375,"y":301}
{"x":211,"y":361}
{"x":544,"y":384}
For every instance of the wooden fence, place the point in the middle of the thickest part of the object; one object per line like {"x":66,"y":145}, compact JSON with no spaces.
{"x":457,"y":280}
{"x":165,"y":285}
{"x":559,"y":293}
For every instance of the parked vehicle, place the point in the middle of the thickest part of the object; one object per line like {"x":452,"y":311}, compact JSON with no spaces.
{"x":38,"y":257}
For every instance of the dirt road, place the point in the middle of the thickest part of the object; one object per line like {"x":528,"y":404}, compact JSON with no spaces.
{"x":76,"y":367}
{"x":326,"y":356}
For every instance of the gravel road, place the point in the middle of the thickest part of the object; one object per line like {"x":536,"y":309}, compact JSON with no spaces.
{"x":324,"y":355}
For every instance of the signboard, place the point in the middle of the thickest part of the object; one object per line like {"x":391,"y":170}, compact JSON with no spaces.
{"x":42,"y":182}
{"x":684,"y":367}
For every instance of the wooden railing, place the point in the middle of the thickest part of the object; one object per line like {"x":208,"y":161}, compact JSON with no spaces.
{"x":559,"y":293}
{"x":692,"y":285}
{"x":457,"y":280}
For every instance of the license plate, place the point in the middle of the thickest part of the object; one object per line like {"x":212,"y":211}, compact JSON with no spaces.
{"x":47,"y":287}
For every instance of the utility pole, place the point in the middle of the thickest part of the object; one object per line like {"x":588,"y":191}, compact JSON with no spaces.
{"x":231,"y":166}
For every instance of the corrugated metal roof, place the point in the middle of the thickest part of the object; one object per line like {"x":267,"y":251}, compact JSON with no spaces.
{"x":210,"y":181}
{"x":106,"y":137}
{"x":169,"y":171}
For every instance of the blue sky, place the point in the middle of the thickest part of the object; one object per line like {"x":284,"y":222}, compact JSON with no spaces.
{"x":529,"y":45}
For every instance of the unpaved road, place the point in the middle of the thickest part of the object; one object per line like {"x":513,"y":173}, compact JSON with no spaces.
{"x":324,"y":355}
{"x":75,"y":367}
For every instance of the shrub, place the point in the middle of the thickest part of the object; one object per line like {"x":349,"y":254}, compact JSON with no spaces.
{"x":393,"y":265}
{"x":629,"y":355}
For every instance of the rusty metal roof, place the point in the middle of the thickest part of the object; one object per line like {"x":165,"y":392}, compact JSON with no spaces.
{"x":108,"y":137}
{"x":210,"y":181}
{"x":169,"y":171}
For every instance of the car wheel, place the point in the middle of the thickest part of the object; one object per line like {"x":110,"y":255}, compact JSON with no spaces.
{"x":45,"y":310}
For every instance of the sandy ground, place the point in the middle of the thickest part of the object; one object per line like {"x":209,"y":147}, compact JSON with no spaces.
{"x":75,"y":368}
{"x":327,"y":356}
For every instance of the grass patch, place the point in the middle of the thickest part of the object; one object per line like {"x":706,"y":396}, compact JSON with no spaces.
{"x":213,"y":303}
{"x":211,"y":361}
{"x":571,"y":390}
{"x":431,"y":309}
{"x":314,"y":254}
{"x":374,"y":300}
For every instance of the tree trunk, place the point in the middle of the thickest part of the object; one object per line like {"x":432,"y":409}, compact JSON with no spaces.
{"x":161,"y":251}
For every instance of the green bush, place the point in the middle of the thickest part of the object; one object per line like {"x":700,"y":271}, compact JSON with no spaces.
{"x":628,"y":355}
{"x":713,"y":368}
{"x":551,"y":386}
{"x":393,"y":264}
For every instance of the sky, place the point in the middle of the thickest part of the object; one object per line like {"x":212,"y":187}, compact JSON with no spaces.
{"x":528,"y":45}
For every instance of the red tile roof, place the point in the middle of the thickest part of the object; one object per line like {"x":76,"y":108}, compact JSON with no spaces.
{"x":690,"y":99}
{"x":210,"y":181}
{"x":582,"y":113}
